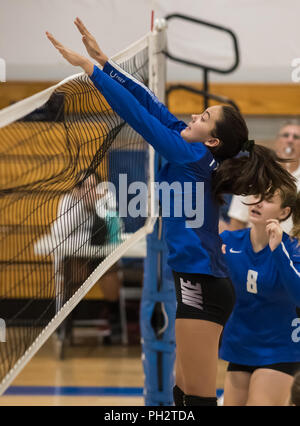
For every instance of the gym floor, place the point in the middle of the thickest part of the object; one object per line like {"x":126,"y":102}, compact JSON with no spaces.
{"x":90,"y":375}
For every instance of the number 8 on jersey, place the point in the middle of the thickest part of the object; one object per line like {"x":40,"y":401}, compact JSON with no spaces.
{"x":252,"y":281}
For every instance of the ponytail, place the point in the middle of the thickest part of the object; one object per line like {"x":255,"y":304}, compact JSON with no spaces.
{"x":258,"y":173}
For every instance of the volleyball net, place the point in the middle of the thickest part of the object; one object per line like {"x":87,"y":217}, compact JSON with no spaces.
{"x":67,"y":162}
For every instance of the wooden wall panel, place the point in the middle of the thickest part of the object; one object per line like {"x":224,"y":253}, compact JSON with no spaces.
{"x":252,"y":99}
{"x":14,"y":91}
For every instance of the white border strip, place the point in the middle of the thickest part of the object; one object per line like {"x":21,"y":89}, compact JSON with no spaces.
{"x":20,"y":109}
{"x":291,"y":262}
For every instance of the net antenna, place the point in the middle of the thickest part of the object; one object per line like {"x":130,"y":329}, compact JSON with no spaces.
{"x":53,"y":145}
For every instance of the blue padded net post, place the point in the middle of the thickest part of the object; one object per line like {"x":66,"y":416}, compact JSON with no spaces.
{"x":158,"y":309}
{"x":157,"y":321}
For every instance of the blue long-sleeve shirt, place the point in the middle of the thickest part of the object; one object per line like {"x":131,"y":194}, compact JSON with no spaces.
{"x":191,"y":249}
{"x":261,"y":327}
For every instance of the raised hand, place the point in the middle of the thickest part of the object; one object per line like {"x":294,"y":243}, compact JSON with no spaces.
{"x":90,"y":43}
{"x":275,"y":232}
{"x":72,"y":57}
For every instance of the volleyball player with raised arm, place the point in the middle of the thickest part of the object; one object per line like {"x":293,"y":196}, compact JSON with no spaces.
{"x":259,"y":338}
{"x":201,"y":151}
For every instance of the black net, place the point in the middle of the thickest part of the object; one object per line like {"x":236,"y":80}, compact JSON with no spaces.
{"x":59,"y":218}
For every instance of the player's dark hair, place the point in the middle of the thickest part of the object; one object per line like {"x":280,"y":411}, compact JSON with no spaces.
{"x":258,"y":173}
{"x":231,"y":129}
{"x":291,"y":198}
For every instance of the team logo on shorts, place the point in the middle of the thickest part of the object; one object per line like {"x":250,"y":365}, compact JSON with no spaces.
{"x":191,"y":294}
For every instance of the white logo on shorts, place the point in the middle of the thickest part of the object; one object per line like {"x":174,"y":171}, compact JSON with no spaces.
{"x":191,"y":294}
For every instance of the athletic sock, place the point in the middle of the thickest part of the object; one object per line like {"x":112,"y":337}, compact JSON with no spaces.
{"x":178,"y":395}
{"x":189,"y":400}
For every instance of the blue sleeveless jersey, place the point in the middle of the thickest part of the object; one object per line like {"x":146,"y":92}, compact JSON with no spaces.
{"x":191,"y":249}
{"x":263,"y":327}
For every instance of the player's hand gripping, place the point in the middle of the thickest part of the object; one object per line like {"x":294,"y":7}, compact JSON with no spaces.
{"x":72,"y":57}
{"x":90,"y":43}
{"x":275,"y":232}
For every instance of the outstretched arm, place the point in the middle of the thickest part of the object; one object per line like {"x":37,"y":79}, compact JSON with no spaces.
{"x":167,"y":142}
{"x":139,"y":90}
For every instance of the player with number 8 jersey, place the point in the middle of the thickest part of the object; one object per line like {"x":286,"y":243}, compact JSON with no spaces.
{"x":264,"y":265}
{"x":266,"y":285}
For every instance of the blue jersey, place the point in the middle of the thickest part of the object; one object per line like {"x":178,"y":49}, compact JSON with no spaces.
{"x":261,"y":328}
{"x":191,"y":249}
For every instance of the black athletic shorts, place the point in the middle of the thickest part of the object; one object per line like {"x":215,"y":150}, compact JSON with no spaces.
{"x":205,"y":297}
{"x":285,"y":367}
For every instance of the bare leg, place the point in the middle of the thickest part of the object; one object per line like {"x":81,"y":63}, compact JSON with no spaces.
{"x":236,"y":388}
{"x":197,"y":348}
{"x":179,"y":372}
{"x":269,"y":388}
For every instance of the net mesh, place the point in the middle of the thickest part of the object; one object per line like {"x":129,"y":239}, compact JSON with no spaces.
{"x":55,"y":203}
